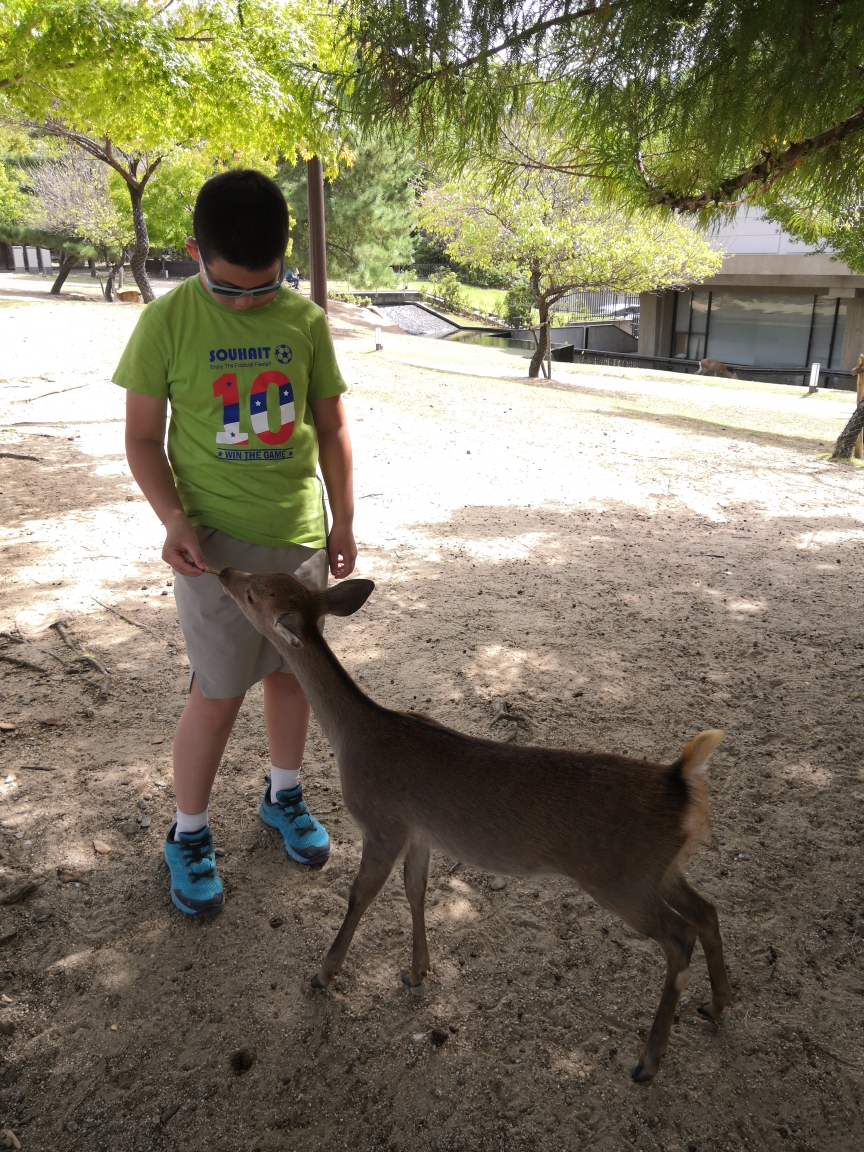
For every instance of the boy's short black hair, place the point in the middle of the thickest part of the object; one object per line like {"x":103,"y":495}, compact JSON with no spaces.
{"x":241,"y":216}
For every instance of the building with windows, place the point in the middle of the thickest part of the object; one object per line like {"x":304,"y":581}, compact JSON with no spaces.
{"x":775,"y":303}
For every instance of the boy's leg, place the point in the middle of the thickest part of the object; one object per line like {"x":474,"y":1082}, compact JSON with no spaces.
{"x":199,"y":743}
{"x":286,"y":716}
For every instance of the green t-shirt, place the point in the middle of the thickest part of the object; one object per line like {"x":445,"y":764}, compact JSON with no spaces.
{"x":241,"y":440}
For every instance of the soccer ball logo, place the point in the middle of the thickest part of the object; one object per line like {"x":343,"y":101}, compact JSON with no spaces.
{"x":284,"y":354}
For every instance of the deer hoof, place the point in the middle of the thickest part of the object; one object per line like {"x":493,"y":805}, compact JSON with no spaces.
{"x":316,"y":983}
{"x":640,"y":1075}
{"x":414,"y":989}
{"x":705,"y":1010}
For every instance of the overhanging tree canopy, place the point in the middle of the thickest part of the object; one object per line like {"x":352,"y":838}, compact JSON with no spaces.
{"x":688,"y":104}
{"x":129,"y":80}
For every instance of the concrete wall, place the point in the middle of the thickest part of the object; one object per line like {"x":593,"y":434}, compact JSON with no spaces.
{"x":606,"y":336}
{"x":656,"y":313}
{"x":609,"y":338}
{"x":853,"y":341}
{"x":787,"y":270}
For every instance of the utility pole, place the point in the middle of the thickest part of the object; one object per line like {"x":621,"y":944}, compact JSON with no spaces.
{"x":317,"y":237}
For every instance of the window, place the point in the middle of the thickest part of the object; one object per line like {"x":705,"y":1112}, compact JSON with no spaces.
{"x":762,"y":329}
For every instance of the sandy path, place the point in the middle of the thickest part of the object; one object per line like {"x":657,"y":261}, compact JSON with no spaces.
{"x":629,"y":559}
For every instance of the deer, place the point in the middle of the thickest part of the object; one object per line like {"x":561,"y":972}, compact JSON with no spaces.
{"x":715,"y":368}
{"x":622,"y":828}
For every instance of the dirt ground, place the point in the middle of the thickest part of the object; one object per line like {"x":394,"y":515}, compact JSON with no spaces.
{"x":628,"y":558}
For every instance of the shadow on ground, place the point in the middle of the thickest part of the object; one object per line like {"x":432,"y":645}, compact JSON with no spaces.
{"x":609,"y":629}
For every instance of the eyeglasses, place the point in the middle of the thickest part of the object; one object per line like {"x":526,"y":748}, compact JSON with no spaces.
{"x":234,"y":293}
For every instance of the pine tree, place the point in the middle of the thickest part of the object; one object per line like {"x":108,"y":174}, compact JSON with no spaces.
{"x":369,"y":209}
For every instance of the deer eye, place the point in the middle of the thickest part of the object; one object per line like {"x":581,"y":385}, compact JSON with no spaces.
{"x":249,"y":599}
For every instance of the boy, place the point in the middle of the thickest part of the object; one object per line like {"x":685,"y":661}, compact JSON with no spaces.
{"x":238,"y":493}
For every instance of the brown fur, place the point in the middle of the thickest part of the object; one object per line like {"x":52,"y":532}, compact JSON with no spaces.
{"x":715,"y":368}
{"x":620,"y":827}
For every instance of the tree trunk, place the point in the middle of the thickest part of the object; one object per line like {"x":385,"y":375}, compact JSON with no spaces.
{"x":540,"y":351}
{"x":138,"y":256}
{"x":92,"y":266}
{"x":845,"y":445}
{"x":116,"y":267}
{"x":67,"y":263}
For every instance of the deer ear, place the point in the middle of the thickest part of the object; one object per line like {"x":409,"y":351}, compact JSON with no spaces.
{"x":284,"y":625}
{"x":346,"y":598}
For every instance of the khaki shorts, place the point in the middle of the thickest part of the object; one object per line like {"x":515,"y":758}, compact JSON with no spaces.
{"x":225,"y":652}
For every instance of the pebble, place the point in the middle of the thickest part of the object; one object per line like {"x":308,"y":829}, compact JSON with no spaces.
{"x":498,"y":883}
{"x":160,"y":783}
{"x":42,"y":917}
{"x":144,"y":822}
{"x":19,"y":835}
{"x":438,"y":1036}
{"x":218,"y":851}
{"x":71,"y":1126}
{"x":102,"y":848}
{"x":142,"y":804}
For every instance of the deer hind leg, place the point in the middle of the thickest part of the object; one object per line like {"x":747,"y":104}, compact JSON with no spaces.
{"x":676,"y":937}
{"x":376,"y":864}
{"x":416,"y":879}
{"x":703,"y":916}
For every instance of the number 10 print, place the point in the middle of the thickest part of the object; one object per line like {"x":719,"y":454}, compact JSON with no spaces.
{"x":226,"y":387}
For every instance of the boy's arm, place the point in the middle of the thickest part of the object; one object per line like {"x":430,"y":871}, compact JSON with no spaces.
{"x":334,"y":455}
{"x":145,"y":451}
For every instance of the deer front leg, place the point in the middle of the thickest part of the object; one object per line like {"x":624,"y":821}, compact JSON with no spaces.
{"x":416,"y":879}
{"x":376,"y":864}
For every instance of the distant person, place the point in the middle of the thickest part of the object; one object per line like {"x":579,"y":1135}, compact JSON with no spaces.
{"x":236,"y":494}
{"x":293,"y":278}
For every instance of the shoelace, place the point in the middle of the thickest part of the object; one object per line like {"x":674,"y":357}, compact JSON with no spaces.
{"x":196,"y":853}
{"x":297,"y":813}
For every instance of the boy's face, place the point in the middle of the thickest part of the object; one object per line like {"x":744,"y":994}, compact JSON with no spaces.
{"x":234,"y":276}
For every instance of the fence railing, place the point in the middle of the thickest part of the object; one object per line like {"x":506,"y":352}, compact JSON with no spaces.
{"x":798,"y":377}
{"x":601,"y":304}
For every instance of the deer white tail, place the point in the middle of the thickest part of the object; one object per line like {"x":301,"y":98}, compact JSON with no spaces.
{"x":694,"y":758}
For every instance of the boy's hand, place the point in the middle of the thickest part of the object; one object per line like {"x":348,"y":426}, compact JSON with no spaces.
{"x":341,"y":550}
{"x":181,"y":548}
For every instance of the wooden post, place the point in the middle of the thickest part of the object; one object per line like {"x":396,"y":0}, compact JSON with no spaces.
{"x":317,"y":236}
{"x":859,"y":380}
{"x":548,"y":349}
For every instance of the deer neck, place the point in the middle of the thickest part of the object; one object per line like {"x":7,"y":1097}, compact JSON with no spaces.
{"x":341,"y":708}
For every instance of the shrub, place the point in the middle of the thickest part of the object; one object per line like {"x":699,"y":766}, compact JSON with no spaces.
{"x":350,"y":298}
{"x":449,"y":290}
{"x":518,"y":306}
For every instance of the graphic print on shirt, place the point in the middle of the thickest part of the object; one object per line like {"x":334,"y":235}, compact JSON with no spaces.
{"x":226,"y":389}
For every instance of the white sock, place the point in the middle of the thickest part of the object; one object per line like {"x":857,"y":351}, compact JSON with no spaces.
{"x":187,"y":823}
{"x":282,"y":780}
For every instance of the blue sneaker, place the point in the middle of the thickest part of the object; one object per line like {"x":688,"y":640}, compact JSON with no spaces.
{"x":195,"y":885}
{"x":306,"y":841}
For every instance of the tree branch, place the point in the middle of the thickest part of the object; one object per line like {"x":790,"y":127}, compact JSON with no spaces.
{"x":772,"y":166}
{"x":455,"y":67}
